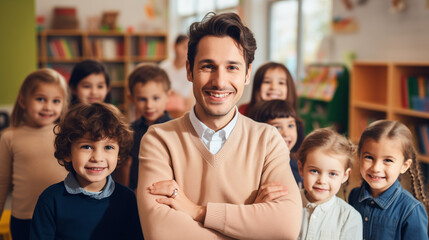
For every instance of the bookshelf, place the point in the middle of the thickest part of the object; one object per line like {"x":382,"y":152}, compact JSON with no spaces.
{"x":378,"y":90}
{"x":323,"y":97}
{"x":120,"y":52}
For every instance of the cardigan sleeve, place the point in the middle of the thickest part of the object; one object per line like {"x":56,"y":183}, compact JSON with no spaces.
{"x":159,"y":221}
{"x":280,"y":219}
{"x":6,"y":158}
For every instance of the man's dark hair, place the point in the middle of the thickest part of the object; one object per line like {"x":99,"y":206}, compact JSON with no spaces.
{"x":225,"y":24}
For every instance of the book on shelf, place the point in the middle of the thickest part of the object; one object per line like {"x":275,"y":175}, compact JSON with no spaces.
{"x":66,"y":48}
{"x":422,"y":136}
{"x":63,"y":48}
{"x":413,"y":89}
{"x":152,"y":48}
{"x":415,"y":93}
{"x":106,"y":48}
{"x":404,"y":89}
{"x":65,"y":72}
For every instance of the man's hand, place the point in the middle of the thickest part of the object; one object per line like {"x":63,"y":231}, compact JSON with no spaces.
{"x":270,"y":192}
{"x":180,"y":202}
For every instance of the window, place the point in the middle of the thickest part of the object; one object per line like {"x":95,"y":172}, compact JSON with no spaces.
{"x":190,"y":11}
{"x":297,"y":28}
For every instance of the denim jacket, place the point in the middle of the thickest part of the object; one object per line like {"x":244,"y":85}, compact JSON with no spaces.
{"x":395,"y":214}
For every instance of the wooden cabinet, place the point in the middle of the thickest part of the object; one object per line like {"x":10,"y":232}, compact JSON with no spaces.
{"x":120,"y":52}
{"x":377,"y":92}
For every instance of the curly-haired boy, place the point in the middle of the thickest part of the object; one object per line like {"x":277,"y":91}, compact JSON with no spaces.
{"x":88,"y":204}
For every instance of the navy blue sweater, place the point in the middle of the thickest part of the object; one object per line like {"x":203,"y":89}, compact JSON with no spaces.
{"x":140,"y":128}
{"x":60,"y":215}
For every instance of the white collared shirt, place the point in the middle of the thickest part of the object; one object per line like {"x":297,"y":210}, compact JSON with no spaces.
{"x":334,"y":219}
{"x":211,"y":139}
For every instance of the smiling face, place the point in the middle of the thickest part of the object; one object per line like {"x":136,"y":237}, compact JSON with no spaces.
{"x":381,"y":162}
{"x":92,"y":88}
{"x":218,"y":77}
{"x":150,"y":100}
{"x":44,"y":106}
{"x":273,"y":85}
{"x":287,"y":128}
{"x":93,"y":161}
{"x":323,"y":174}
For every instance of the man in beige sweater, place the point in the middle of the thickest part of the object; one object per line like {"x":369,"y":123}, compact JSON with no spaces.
{"x":213,"y":173}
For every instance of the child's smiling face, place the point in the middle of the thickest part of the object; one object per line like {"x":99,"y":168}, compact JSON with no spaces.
{"x":323,"y":174}
{"x":92,"y":88}
{"x":93,"y":161}
{"x":274,"y":85}
{"x":381,"y":162}
{"x":150,"y":100}
{"x":287,"y":128}
{"x":44,"y":106}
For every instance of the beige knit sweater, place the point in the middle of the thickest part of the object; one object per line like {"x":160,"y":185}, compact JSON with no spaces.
{"x":28,"y":165}
{"x":227,"y":183}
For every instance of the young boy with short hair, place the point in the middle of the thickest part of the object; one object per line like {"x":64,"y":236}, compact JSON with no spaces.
{"x":149,"y":87}
{"x":88,"y":204}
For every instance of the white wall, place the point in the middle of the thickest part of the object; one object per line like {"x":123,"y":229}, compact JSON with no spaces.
{"x":383,"y":35}
{"x":256,"y":18}
{"x":131,"y":12}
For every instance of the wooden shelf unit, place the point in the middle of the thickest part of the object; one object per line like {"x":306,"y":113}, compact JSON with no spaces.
{"x":376,"y":93}
{"x":121,"y":52}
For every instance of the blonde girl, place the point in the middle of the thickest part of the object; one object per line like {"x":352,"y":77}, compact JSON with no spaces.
{"x":388,"y":211}
{"x":324,"y":162}
{"x":27,"y":159}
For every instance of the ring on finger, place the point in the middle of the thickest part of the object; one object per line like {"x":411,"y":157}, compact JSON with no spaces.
{"x":174,"y":194}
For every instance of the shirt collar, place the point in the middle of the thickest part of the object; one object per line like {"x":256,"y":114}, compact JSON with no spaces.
{"x":324,"y":206}
{"x":385,"y":199}
{"x":202,"y":129}
{"x":72,"y":186}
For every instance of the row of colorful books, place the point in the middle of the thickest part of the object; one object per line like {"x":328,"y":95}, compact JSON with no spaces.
{"x":105,"y":48}
{"x":415,"y":93}
{"x":63,"y":48}
{"x":152,"y":48}
{"x":422,"y":133}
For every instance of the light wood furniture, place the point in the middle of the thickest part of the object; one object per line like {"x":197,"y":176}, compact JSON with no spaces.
{"x":120,"y":52}
{"x":376,"y":93}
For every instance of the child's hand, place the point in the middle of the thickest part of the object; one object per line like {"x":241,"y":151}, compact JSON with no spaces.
{"x":270,"y":192}
{"x":176,"y":199}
